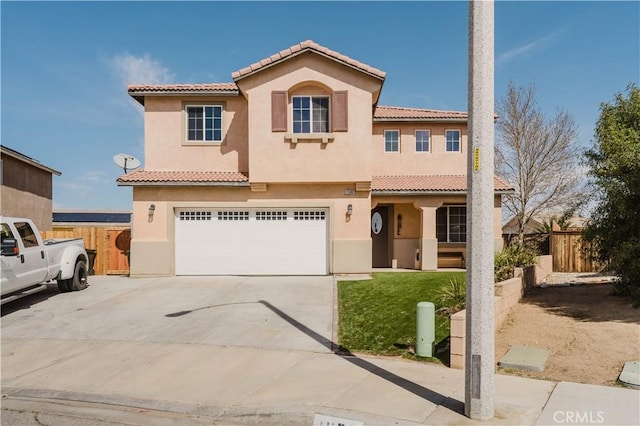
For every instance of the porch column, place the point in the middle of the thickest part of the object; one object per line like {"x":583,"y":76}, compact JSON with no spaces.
{"x":428,"y":240}
{"x":498,"y":241}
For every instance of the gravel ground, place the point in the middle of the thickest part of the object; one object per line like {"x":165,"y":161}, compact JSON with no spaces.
{"x":578,"y":278}
{"x":589,"y":333}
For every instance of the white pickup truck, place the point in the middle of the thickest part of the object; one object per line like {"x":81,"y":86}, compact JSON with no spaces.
{"x":28,"y":261}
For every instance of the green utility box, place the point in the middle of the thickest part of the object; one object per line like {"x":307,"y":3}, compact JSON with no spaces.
{"x":425,"y":329}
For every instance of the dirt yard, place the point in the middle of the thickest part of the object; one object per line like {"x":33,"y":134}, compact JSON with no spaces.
{"x":589,"y":333}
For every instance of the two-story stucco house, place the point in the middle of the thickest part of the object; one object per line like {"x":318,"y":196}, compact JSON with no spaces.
{"x":294,"y":168}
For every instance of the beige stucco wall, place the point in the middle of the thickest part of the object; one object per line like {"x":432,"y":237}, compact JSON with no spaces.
{"x":409,"y":162}
{"x":153,"y":239}
{"x":345,"y":158}
{"x":250,"y":145}
{"x":166,"y":147}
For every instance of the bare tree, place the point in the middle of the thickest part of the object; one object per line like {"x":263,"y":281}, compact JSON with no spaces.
{"x":539,"y":157}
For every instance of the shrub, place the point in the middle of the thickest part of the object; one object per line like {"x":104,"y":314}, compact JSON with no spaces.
{"x":452,"y":297}
{"x":512,"y":256}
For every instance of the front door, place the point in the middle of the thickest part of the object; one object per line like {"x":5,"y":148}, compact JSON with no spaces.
{"x":380,"y":237}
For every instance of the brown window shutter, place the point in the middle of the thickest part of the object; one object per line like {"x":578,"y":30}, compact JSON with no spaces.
{"x":279,"y":111}
{"x":339,"y":116}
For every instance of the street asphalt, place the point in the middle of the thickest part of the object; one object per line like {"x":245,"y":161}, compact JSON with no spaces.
{"x":241,"y":350}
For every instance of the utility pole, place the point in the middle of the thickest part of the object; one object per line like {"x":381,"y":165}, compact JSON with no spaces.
{"x":480,"y":340}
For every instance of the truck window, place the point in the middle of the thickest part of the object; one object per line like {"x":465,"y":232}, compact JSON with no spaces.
{"x":29,"y":239}
{"x":6,"y":231}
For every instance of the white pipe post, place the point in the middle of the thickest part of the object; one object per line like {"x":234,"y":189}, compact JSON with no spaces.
{"x":480,"y":351}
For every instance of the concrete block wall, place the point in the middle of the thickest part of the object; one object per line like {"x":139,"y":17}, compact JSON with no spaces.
{"x":544,"y":268}
{"x":508,"y":293}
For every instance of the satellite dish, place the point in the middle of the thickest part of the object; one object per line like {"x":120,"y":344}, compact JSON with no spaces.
{"x":126,"y":161}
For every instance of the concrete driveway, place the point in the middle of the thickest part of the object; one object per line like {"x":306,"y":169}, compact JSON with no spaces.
{"x":289,"y":313}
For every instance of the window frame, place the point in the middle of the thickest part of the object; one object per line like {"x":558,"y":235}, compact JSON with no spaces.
{"x":311,"y":120}
{"x":203,"y":141}
{"x":446,"y":141}
{"x":448,"y":225}
{"x":384,"y":134}
{"x":27,"y":234}
{"x":428,"y":150}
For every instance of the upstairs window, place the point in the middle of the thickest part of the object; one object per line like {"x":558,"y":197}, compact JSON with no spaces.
{"x":391,"y":141}
{"x":310,"y":114}
{"x":204,"y":123}
{"x":452,"y":138}
{"x":451,"y":224}
{"x":423,"y":140}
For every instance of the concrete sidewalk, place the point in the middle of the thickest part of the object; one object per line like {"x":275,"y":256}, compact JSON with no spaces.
{"x":239,"y":385}
{"x":241,"y":350}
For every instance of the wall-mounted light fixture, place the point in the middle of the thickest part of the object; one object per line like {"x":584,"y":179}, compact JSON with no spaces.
{"x":399,"y":223}
{"x":152,"y":209}
{"x":349,"y":209}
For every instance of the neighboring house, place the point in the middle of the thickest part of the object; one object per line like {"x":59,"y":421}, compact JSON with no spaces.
{"x":69,"y":219}
{"x":537,"y":223}
{"x":294,"y":168}
{"x":27,"y":188}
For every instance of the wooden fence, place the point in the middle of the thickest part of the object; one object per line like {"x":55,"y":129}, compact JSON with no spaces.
{"x":571,"y":254}
{"x":111,"y":245}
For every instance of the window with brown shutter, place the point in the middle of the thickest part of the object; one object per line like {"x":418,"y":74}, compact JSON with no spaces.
{"x":278,"y":111}
{"x":339,"y":116}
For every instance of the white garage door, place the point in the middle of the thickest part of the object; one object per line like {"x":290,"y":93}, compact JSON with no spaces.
{"x":251,"y":241}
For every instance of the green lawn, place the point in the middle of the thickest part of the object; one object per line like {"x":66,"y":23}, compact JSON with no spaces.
{"x":378,"y":316}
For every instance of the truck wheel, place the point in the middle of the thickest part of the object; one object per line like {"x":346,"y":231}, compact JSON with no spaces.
{"x":63,"y":286}
{"x":79,"y":280}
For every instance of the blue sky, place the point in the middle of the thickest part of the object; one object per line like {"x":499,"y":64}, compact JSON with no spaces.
{"x":65,"y":65}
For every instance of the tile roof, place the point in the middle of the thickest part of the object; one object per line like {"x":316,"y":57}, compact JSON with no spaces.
{"x":144,"y":177}
{"x":182,"y":88}
{"x":390,"y":113}
{"x":429,"y":183}
{"x":299,"y":48}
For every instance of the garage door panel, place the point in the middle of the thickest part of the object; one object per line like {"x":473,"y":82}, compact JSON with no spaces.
{"x":251,"y":242}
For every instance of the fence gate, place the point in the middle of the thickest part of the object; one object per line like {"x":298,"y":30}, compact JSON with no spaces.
{"x":119,"y":244}
{"x":571,"y":254}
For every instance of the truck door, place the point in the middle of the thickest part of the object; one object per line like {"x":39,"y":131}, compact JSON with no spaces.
{"x":8,"y":264}
{"x":10,"y":282}
{"x":31,"y":264}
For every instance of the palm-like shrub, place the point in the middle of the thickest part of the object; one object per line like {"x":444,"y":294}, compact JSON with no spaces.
{"x":512,"y":256}
{"x":452,"y":297}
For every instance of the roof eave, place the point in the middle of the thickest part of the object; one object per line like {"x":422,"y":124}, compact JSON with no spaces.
{"x":169,"y":183}
{"x":14,"y":154}
{"x":428,"y":192}
{"x":91,"y":224}
{"x":305,"y":50}
{"x":140,"y":95}
{"x":430,"y":120}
